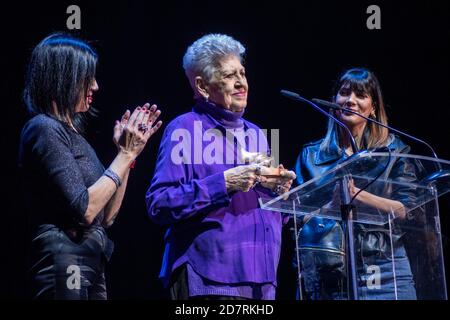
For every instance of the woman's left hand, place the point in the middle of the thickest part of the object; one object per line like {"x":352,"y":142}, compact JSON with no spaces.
{"x":149,"y":120}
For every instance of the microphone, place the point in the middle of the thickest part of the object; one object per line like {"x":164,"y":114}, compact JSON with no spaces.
{"x":328,"y":104}
{"x":296,"y":97}
{"x":336,"y":106}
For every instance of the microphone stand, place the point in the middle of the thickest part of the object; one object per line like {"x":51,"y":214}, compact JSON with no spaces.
{"x":297,"y":97}
{"x":347,"y":209}
{"x":439,"y":174}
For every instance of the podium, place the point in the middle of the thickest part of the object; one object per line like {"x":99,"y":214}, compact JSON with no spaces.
{"x":386,"y":206}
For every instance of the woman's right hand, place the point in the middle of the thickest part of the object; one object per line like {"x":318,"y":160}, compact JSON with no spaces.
{"x":133,"y":131}
{"x":241,"y":178}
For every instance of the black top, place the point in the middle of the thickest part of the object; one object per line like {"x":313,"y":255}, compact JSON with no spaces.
{"x":57,"y":167}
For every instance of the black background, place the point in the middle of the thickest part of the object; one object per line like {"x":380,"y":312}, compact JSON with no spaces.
{"x":295,"y":45}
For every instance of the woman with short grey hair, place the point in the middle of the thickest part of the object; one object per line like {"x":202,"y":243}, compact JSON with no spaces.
{"x":202,"y":57}
{"x":220,"y":244}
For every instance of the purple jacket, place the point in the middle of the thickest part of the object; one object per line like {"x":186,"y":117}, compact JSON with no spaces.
{"x":224,"y":237}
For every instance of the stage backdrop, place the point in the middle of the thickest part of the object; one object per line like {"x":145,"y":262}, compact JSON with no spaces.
{"x":296,"y":45}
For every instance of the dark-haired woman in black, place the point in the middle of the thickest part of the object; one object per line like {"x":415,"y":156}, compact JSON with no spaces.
{"x":321,"y":240}
{"x":69,"y":195}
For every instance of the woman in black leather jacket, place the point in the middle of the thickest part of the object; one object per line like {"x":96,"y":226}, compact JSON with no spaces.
{"x":321,"y":241}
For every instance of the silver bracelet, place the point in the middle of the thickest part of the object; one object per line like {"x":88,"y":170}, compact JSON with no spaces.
{"x":113,"y":176}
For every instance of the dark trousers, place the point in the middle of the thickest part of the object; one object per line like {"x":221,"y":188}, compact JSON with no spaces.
{"x":179,"y":288}
{"x":65,"y":269}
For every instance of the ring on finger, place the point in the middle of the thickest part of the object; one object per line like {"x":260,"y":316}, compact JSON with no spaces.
{"x":278,"y":189}
{"x":142,"y":127}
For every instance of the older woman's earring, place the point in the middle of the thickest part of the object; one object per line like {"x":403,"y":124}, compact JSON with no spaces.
{"x":206,"y":97}
{"x":372,"y":114}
